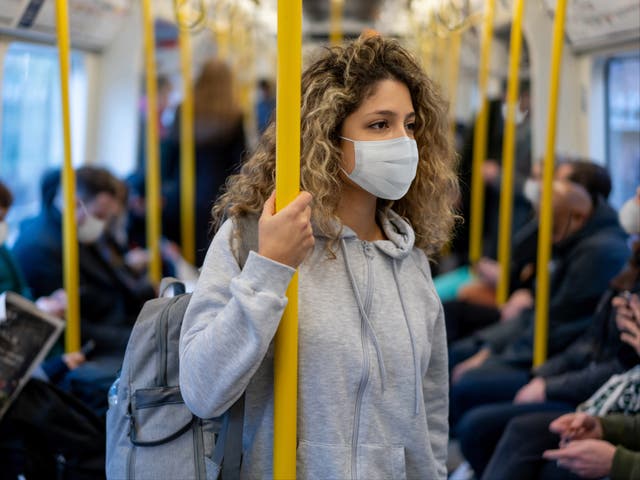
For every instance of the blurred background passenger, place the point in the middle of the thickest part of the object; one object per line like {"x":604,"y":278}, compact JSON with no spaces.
{"x":265,"y":104}
{"x":589,"y":248}
{"x":219,"y":145}
{"x":590,"y":446}
{"x":475,"y":306}
{"x":108,"y":307}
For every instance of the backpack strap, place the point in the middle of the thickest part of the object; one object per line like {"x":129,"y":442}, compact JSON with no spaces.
{"x":233,"y":441}
{"x":247,"y":231}
{"x":229,"y":445}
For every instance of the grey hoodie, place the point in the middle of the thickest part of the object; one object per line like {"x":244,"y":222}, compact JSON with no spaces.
{"x":372,"y":372}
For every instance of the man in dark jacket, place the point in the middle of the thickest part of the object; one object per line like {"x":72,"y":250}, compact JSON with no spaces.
{"x":106,"y":305}
{"x":589,"y":249}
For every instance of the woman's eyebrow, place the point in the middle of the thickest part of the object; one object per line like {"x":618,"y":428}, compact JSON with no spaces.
{"x":391,"y":113}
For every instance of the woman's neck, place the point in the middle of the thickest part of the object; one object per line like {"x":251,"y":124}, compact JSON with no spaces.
{"x":357,"y":210}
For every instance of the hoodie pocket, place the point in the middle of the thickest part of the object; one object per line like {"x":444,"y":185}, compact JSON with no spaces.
{"x":320,"y":461}
{"x":381,"y":462}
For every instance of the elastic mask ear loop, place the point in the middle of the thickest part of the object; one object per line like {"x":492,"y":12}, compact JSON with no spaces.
{"x":354,"y":146}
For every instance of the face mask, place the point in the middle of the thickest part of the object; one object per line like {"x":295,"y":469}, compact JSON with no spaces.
{"x":520,"y":114}
{"x":91,"y":228}
{"x":629,"y":216}
{"x":385,"y":168}
{"x":4,"y":231}
{"x":531,"y":191}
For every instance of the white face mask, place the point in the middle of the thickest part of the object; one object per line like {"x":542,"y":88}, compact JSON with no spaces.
{"x":531,"y":191}
{"x":629,"y":216}
{"x":91,"y":229}
{"x":520,"y":114}
{"x":4,"y":231}
{"x":385,"y":168}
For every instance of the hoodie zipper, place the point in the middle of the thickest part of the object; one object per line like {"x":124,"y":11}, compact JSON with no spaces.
{"x":364,"y":380}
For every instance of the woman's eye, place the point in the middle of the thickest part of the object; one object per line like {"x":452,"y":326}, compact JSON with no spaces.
{"x":410,"y":126}
{"x":379,"y":125}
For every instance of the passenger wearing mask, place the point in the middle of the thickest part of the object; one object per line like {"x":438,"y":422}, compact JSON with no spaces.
{"x":589,"y":248}
{"x":568,"y":378}
{"x":376,"y":161}
{"x":106,"y":306}
{"x":475,"y":306}
{"x":491,"y":174}
{"x":219,"y":145}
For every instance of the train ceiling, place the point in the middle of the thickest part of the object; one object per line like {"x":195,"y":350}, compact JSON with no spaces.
{"x":94,"y":23}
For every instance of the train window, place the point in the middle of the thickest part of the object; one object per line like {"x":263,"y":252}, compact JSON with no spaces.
{"x":623,"y":126}
{"x":31,"y":125}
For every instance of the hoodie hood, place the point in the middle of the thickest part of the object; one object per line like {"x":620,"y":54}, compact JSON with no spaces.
{"x":400,"y":236}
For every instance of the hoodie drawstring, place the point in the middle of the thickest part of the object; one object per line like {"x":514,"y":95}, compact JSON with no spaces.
{"x":365,"y":317}
{"x":414,"y":349}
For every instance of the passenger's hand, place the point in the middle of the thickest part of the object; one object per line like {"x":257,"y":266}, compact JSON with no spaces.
{"x":490,"y":171}
{"x":532,"y":392}
{"x":286,"y":236}
{"x":586,"y":458}
{"x":576,"y":426}
{"x":73,"y":359}
{"x":518,"y":301}
{"x":628,"y":319}
{"x":55,"y":304}
{"x":137,"y":259}
{"x":469,"y":364}
{"x":488,"y":270}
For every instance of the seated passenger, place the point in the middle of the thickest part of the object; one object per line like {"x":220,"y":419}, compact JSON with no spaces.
{"x":562,"y":382}
{"x":106,"y":306}
{"x":590,"y":447}
{"x":589,"y":248}
{"x":475,"y":306}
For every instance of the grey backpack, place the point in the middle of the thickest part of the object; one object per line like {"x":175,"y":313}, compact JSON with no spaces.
{"x":151,"y":434}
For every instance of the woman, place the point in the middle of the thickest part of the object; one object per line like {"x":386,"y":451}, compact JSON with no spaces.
{"x":376,"y":167}
{"x":219,"y":145}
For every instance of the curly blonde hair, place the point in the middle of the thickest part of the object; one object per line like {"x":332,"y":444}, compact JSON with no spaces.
{"x":333,"y":87}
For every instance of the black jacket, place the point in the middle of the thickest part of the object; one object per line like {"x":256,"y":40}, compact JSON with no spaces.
{"x":582,"y":267}
{"x":107,"y":307}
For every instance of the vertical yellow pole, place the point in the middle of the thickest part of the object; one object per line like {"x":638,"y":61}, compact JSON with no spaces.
{"x":287,"y":188}
{"x":154,"y":213}
{"x":335,"y":35}
{"x":187,"y":151}
{"x":454,"y":74}
{"x":480,"y":138}
{"x":70,"y":237}
{"x":546,"y":208}
{"x":508,"y":155}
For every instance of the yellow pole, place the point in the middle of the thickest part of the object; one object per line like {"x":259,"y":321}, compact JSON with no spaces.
{"x":187,"y":151}
{"x":508,"y":156}
{"x":335,"y":35}
{"x":153,"y":157}
{"x":480,"y":138}
{"x":70,"y":254}
{"x":454,"y":75}
{"x":287,"y":188}
{"x":546,"y":208}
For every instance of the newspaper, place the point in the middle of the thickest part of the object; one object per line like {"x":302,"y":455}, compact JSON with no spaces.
{"x":26,"y":336}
